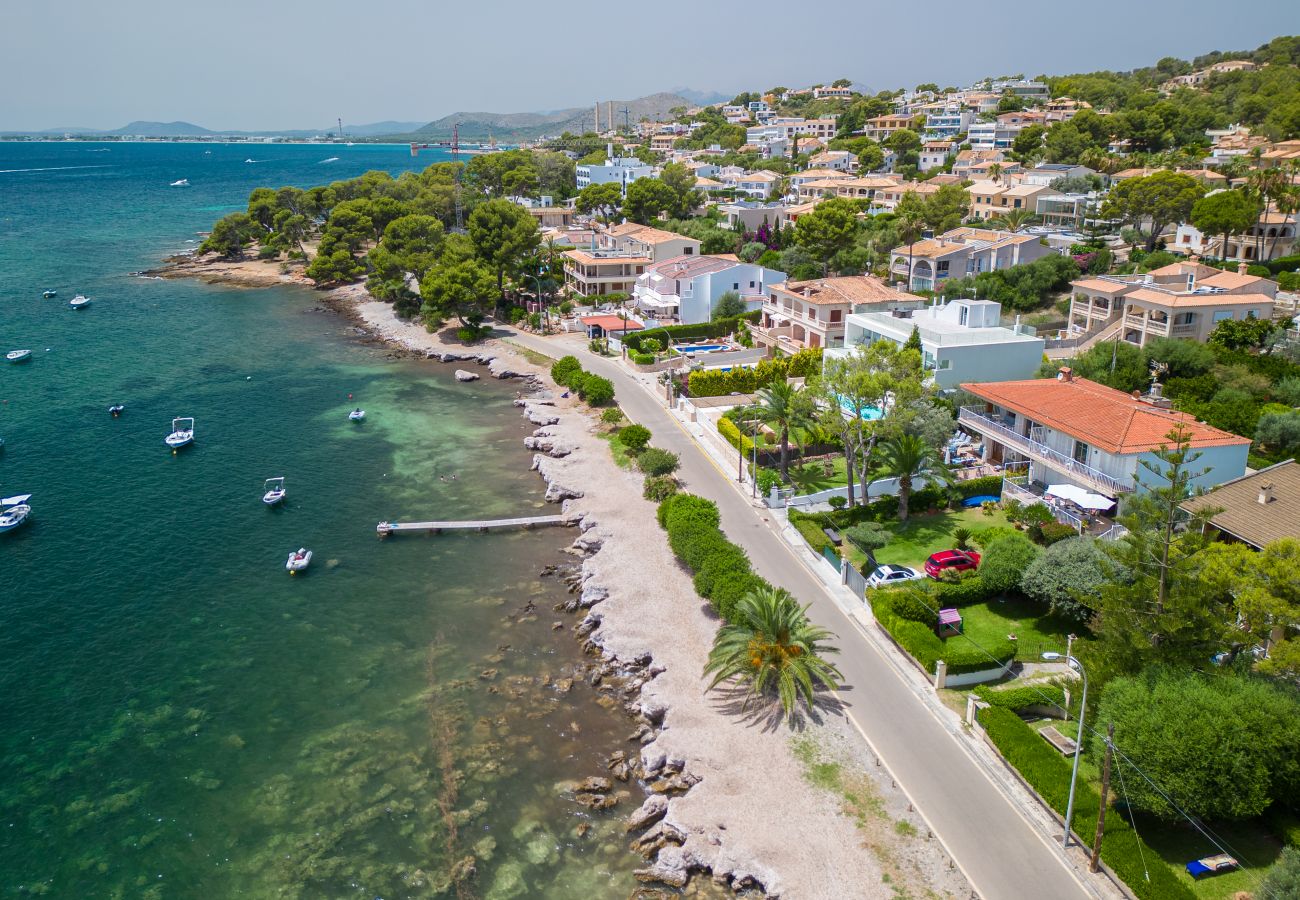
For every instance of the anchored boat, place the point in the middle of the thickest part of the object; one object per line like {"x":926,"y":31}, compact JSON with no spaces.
{"x":298,"y":561}
{"x":49,"y":294}
{"x":275,"y":492}
{"x":357,"y":414}
{"x":79,"y":302}
{"x":17,"y":356}
{"x":117,"y":409}
{"x":14,"y":511}
{"x":182,"y":433}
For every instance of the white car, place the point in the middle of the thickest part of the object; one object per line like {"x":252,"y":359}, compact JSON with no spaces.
{"x":887,"y":575}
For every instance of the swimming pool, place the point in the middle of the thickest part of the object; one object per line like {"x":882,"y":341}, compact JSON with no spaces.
{"x":699,"y":348}
{"x":870,"y":414}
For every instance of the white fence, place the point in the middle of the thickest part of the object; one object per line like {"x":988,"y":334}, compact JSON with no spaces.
{"x":782,"y":497}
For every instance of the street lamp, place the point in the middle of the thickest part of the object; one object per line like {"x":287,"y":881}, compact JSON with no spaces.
{"x":750,"y":418}
{"x":546,"y":313}
{"x":1078,"y":743}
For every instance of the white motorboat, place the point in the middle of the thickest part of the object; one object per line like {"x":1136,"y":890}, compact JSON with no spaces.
{"x":17,"y":356}
{"x":357,"y":414}
{"x":298,"y":561}
{"x":14,"y":511}
{"x":183,"y":182}
{"x":275,"y":492}
{"x":48,"y":294}
{"x":81,"y":301}
{"x":182,"y":434}
{"x":117,"y":409}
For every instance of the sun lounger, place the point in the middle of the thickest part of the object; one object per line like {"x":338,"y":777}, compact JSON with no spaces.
{"x":1211,"y":865}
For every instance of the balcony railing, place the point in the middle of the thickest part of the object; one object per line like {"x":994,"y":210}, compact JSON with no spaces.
{"x":974,"y":417}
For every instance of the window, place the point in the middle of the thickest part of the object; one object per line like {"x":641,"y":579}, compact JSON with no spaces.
{"x":690,"y":251}
{"x":1080,"y":452}
{"x":1222,"y":314}
{"x":836,"y":315}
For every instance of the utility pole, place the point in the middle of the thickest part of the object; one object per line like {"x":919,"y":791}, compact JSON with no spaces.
{"x":1105,"y":794}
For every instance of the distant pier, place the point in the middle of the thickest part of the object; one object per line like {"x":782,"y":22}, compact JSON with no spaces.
{"x":383,"y":529}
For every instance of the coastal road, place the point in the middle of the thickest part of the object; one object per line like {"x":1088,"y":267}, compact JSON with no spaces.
{"x":1001,"y":853}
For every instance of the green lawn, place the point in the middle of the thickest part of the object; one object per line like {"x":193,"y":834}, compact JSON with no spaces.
{"x":1035,"y":629}
{"x":809,"y":478}
{"x":616,"y":448}
{"x":1180,"y":844}
{"x":926,"y":534}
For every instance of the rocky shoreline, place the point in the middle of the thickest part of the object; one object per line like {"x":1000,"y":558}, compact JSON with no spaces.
{"x":728,"y":799}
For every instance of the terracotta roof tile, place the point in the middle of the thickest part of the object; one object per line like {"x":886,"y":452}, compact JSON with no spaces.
{"x":848,"y":289}
{"x":1100,"y":416}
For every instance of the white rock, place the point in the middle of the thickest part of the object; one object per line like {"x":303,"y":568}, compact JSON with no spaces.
{"x":462,"y":375}
{"x":649,"y":812}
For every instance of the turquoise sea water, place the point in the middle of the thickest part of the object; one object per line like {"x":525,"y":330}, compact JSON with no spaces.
{"x":178,"y":716}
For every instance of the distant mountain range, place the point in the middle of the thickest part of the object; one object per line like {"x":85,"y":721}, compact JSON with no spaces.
{"x":189,"y":129}
{"x":474,"y":126}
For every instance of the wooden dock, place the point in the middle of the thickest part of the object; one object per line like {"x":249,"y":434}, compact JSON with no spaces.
{"x":383,"y":529}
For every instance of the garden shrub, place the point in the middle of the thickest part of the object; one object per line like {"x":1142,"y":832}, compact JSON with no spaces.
{"x":688,"y":507}
{"x":612,"y":416}
{"x":718,"y":328}
{"x":597,"y":391}
{"x":1284,"y":823}
{"x":727,"y":560}
{"x":654,"y":461}
{"x":634,"y":438}
{"x":913,"y":604}
{"x":659,"y":488}
{"x":810,"y":527}
{"x":767,"y":479}
{"x":837,"y":502}
{"x":717,"y":383}
{"x":1066,"y":576}
{"x":642,"y":359}
{"x":1048,"y":772}
{"x":564,"y":368}
{"x":1052,"y":532}
{"x":963,"y":592}
{"x":1004,"y":561}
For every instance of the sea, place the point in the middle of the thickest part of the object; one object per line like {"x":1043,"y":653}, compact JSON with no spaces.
{"x":180,"y":717}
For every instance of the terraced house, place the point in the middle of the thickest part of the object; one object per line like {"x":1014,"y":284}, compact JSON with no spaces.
{"x":618,"y":255}
{"x":1182,"y":300}
{"x":962,"y":252}
{"x":800,"y":314}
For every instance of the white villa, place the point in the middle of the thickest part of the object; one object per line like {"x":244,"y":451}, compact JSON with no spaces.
{"x":689,"y":287}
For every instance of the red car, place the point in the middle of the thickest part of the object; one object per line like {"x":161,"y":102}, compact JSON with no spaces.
{"x":956,"y":560}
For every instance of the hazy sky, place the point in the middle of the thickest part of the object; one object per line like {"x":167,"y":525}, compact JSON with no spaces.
{"x":266,"y":64}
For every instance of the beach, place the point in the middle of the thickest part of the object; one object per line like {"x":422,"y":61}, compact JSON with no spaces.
{"x":733,"y":797}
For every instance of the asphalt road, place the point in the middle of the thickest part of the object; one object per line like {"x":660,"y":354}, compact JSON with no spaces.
{"x":1001,"y":853}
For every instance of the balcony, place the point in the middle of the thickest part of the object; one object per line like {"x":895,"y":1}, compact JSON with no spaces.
{"x":1106,"y":484}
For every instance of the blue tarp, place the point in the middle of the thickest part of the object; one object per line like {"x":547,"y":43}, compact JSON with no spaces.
{"x":980,"y":500}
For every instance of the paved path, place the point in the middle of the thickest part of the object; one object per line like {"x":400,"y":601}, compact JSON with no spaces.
{"x":1002,"y":854}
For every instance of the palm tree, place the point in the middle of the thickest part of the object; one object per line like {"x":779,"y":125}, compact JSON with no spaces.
{"x":907,"y":458}
{"x":771,"y":645}
{"x":1013,"y":220}
{"x":781,"y":406}
{"x":995,"y":172}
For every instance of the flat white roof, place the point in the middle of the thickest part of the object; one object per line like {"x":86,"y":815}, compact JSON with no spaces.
{"x":934,"y":331}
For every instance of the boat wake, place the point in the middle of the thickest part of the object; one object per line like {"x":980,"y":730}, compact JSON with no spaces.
{"x":51,"y":169}
{"x":331,"y":159}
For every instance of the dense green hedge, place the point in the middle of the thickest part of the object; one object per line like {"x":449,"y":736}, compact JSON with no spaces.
{"x":568,"y":372}
{"x":716,"y":328}
{"x":717,"y":383}
{"x":978,"y":487}
{"x":1049,"y":774}
{"x":1284,"y":823}
{"x":732,"y":435}
{"x":722,"y":571}
{"x":1018,"y":698}
{"x":642,"y":359}
{"x":909,"y":615}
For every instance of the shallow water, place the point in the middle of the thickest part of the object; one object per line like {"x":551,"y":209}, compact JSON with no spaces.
{"x":181,"y":718}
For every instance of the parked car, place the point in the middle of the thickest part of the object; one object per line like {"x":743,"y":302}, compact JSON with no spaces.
{"x":954,"y":560}
{"x":887,"y":575}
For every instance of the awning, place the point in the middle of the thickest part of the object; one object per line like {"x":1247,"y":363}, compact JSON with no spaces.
{"x":1095,"y":501}
{"x":1067,"y":492}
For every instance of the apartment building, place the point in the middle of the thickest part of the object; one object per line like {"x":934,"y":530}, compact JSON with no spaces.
{"x":960,"y":253}
{"x":620,"y":170}
{"x":618,"y":255}
{"x":993,"y":198}
{"x":1181,"y":300}
{"x":879,"y":128}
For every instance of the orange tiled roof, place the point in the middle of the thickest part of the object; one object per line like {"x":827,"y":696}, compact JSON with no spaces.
{"x":1185,"y":300}
{"x":847,"y":289}
{"x":1100,"y":416}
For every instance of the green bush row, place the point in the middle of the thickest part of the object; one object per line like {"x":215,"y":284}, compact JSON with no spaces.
{"x":642,"y":359}
{"x":717,"y":383}
{"x":731,"y":433}
{"x":910,"y":614}
{"x":1018,"y":698}
{"x":1049,"y":774}
{"x":722,"y":570}
{"x":716,"y":328}
{"x":595,"y":390}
